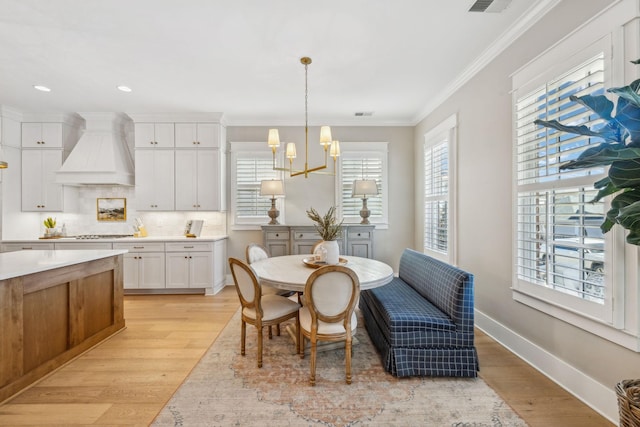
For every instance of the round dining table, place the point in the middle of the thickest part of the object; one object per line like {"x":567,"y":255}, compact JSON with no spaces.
{"x":290,"y":272}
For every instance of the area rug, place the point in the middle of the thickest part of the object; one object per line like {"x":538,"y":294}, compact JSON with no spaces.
{"x":227,"y":389}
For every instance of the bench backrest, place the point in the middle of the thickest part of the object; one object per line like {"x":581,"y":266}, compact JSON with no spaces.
{"x":447,"y":287}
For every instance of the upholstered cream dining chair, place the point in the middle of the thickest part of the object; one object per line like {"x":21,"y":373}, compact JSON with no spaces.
{"x":328,"y":313}
{"x":256,"y":252}
{"x":259,"y":310}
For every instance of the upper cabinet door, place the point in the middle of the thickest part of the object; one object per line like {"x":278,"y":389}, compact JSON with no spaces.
{"x":186,"y":135}
{"x":209,"y":135}
{"x":154,"y":135}
{"x":42,"y":135}
{"x":194,"y":135}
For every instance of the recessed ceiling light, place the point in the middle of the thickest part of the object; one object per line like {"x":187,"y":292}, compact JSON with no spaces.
{"x":124,"y":88}
{"x":41,"y":88}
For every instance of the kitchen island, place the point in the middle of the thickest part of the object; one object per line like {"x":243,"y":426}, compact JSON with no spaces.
{"x":54,"y":305}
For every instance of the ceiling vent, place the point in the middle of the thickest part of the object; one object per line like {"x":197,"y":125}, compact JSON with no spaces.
{"x":363,"y":113}
{"x":489,"y":6}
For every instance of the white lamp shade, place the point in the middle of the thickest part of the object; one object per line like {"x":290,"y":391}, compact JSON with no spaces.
{"x":271,"y":188}
{"x":364,"y":187}
{"x":325,"y":135}
{"x":291,"y":150}
{"x":274,"y":138}
{"x":335,"y":149}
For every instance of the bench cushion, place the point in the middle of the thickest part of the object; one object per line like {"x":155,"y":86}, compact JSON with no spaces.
{"x":409,"y":320}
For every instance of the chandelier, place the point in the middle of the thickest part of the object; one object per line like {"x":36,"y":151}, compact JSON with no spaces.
{"x":331,"y":147}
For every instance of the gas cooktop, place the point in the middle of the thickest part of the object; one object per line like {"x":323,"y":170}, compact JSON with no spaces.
{"x":102,"y":236}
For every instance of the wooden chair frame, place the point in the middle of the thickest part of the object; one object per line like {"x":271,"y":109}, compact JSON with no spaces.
{"x":256,"y":305}
{"x":345,"y":317}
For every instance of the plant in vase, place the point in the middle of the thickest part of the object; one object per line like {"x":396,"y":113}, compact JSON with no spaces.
{"x":50,"y":224}
{"x":329,"y":229}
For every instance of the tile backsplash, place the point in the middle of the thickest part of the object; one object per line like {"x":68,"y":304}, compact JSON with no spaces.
{"x":80,"y":217}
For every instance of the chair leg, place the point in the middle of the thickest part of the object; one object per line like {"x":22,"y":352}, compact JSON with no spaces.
{"x":243,"y":338}
{"x":312,"y":375}
{"x":260,"y":347}
{"x":300,"y":342}
{"x":347,"y":353}
{"x":278,"y":329}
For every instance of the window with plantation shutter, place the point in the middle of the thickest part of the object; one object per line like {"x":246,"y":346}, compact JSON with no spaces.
{"x":438,"y":190}
{"x":561,"y":254}
{"x":362,"y":161}
{"x":250,"y":166}
{"x":436,"y":195}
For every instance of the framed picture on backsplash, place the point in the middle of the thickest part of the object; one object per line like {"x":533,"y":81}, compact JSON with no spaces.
{"x":112,"y":209}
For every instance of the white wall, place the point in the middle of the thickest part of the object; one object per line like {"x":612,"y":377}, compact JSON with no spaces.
{"x":485,"y":219}
{"x":319,"y":190}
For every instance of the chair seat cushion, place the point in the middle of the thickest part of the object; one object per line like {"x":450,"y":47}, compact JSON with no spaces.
{"x":410,"y":320}
{"x":273,"y":307}
{"x":323,"y":327}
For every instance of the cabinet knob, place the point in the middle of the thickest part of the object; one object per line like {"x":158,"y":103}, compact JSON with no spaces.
{"x":358,"y":234}
{"x":185,"y":257}
{"x":277,"y":235}
{"x":194,"y":142}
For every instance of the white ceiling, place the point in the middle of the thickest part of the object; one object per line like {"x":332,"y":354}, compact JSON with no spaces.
{"x":392,"y":58}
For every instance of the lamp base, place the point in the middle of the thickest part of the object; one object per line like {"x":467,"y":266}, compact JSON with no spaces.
{"x":273,"y":213}
{"x":364,"y":212}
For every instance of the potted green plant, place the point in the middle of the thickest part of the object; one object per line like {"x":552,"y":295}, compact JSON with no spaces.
{"x":620,"y":151}
{"x":329,"y":229}
{"x":50,"y":224}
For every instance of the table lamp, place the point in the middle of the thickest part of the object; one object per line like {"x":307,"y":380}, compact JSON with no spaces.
{"x":363,"y":188}
{"x":272,"y":188}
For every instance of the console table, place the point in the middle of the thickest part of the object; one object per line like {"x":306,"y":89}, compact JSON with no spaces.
{"x":356,"y":240}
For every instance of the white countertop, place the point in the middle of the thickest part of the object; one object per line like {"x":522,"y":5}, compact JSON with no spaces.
{"x":126,"y":239}
{"x":21,"y":263}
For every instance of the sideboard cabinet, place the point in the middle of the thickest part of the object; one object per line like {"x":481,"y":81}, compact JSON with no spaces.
{"x":356,"y":240}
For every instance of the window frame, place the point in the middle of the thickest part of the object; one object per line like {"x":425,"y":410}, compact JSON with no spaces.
{"x":608,"y":321}
{"x":446,"y":130}
{"x":252,"y":150}
{"x":377,"y":150}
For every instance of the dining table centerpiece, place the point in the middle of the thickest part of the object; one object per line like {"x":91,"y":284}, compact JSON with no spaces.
{"x":330,"y":230}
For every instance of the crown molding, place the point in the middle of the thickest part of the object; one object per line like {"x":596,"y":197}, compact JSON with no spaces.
{"x":519,"y":27}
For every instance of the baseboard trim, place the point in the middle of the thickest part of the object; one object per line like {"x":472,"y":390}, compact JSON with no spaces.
{"x":599,"y":397}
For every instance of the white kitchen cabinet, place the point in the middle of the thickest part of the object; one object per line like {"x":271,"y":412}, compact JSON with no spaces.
{"x":191,"y":135}
{"x":198,"y":180}
{"x":42,"y":135}
{"x":143,"y":265}
{"x":154,"y":135}
{"x":155,"y":180}
{"x":40,"y":192}
{"x":189,"y":265}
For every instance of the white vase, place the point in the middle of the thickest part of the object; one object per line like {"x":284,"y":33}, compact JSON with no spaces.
{"x":333,"y":251}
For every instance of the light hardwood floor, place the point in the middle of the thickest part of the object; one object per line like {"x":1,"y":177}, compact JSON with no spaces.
{"x":127,"y":380}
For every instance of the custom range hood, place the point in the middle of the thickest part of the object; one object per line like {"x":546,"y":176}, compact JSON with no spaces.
{"x":101,"y":155}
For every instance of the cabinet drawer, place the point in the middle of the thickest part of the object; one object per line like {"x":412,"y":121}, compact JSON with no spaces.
{"x":306,"y":235}
{"x":189,"y":247}
{"x":277,"y":235}
{"x":11,"y":247}
{"x":359,"y":235}
{"x":82,"y":245}
{"x":140,"y":247}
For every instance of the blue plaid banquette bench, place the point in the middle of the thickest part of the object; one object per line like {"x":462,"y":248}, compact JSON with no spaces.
{"x":422,"y":321}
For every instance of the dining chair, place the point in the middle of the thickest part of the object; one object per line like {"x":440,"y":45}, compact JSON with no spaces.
{"x":256,"y":252}
{"x":328,"y":313}
{"x":259,"y":310}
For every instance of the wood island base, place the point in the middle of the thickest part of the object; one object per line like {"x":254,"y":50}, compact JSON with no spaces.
{"x":49,"y":317}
